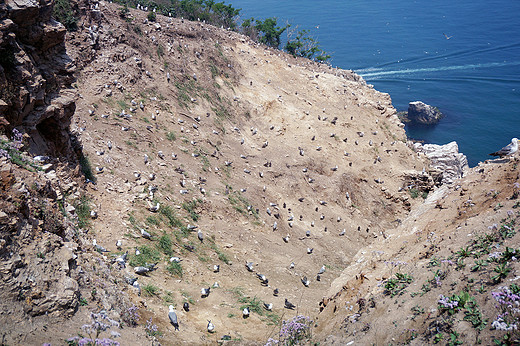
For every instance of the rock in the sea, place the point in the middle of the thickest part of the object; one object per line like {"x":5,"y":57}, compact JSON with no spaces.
{"x":421,"y":113}
{"x":445,"y":158}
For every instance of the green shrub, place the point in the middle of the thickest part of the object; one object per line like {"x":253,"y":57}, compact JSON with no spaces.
{"x":414,"y":193}
{"x":124,"y":12}
{"x":269,"y":32}
{"x":396,"y":286}
{"x":64,"y":13}
{"x":86,"y":168}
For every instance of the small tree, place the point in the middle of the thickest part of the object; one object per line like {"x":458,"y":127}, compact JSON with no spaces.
{"x":270,"y":32}
{"x":249,"y":29}
{"x":151,"y":16}
{"x":305,"y":46}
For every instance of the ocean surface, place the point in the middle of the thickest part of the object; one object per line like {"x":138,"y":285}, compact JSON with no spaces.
{"x":461,"y":56}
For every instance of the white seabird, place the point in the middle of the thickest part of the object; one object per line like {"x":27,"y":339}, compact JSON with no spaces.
{"x":145,"y":234}
{"x":173,"y":317}
{"x":98,"y":247}
{"x":211,"y":327}
{"x":509,"y":149}
{"x":204,"y":292}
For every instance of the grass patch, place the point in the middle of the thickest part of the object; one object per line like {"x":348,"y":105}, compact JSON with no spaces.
{"x":221,"y":111}
{"x":241,"y":204}
{"x":186,"y":90}
{"x":171,"y":136}
{"x":122,"y":105}
{"x":254,"y":304}
{"x":150,"y":290}
{"x":187,"y":297}
{"x":175,"y":269}
{"x":172,"y":220}
{"x":203,"y":258}
{"x":148,"y":255}
{"x":168,"y":297}
{"x":165,"y":245}
{"x":131,"y":144}
{"x":152,"y":220}
{"x":221,"y":255}
{"x":214,"y":70}
{"x":82,"y":206}
{"x":190,"y":208}
{"x":133,"y":221}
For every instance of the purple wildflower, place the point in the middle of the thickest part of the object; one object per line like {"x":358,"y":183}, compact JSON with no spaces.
{"x":493,"y":227}
{"x":508,"y":305}
{"x":447,"y":302}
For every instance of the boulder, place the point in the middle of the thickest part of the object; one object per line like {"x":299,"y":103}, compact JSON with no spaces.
{"x":445,"y":158}
{"x":421,"y":113}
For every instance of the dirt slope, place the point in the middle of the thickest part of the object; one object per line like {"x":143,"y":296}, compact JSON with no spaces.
{"x":278,"y":161}
{"x":224,"y":89}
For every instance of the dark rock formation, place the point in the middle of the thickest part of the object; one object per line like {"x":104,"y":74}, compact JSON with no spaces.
{"x":421,"y":113}
{"x":35,"y":76}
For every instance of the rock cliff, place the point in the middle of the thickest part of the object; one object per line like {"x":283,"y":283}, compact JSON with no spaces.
{"x":446,"y":159}
{"x":36,"y":75}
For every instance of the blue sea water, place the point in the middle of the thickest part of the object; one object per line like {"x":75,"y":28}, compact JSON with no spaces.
{"x":462,"y":56}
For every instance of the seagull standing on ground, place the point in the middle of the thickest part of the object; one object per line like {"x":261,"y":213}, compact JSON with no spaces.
{"x":173,"y":318}
{"x":509,"y":149}
{"x":211,"y":327}
{"x":289,"y":305}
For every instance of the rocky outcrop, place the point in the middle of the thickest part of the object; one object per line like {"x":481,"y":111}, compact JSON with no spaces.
{"x":45,"y":266}
{"x":445,"y":158}
{"x":35,"y":76}
{"x":421,"y":113}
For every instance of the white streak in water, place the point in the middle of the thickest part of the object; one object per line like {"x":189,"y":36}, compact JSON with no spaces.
{"x":374,"y":72}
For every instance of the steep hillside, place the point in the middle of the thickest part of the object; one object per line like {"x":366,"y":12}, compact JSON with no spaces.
{"x":205,"y":151}
{"x":234,"y":114}
{"x":462,"y":243}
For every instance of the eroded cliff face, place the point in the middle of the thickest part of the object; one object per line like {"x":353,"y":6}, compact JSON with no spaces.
{"x":43,"y":265}
{"x":35,"y":76}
